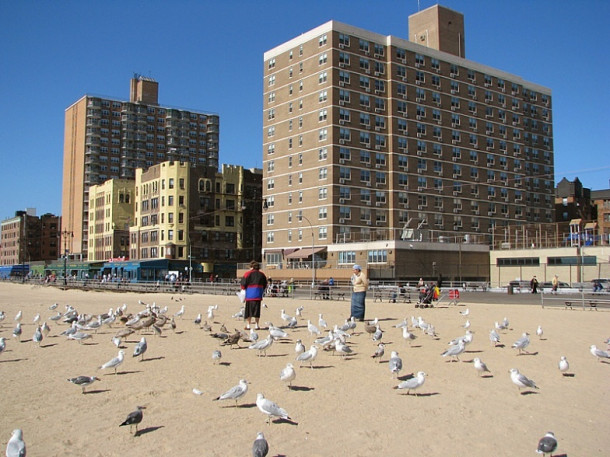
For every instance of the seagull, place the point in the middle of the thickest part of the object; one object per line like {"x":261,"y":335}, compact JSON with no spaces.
{"x":322,"y":322}
{"x":210,"y":311}
{"x":53,"y":306}
{"x":379,"y":352}
{"x":116,"y":340}
{"x":564,"y":366}
{"x":407,"y":335}
{"x":198,"y":319}
{"x":378,"y":335}
{"x":84,"y":381}
{"x":180,"y":313}
{"x":17,"y":331}
{"x":79,"y":336}
{"x":18,"y":316}
{"x":395,"y":363}
{"x":292,"y":323}
{"x":216,"y":356}
{"x":466,"y":312}
{"x":522,"y":343}
{"x":270,"y":408}
{"x":402,"y":324}
{"x":288,"y":374}
{"x":313,"y":330}
{"x":253,"y":335}
{"x":308,"y":356}
{"x":277,"y":332}
{"x":114,"y":363}
{"x":342,"y":348}
{"x":37,"y":338}
{"x":285,"y":317}
{"x":56,"y":317}
{"x":235,"y":392}
{"x":547,"y":444}
{"x":521,"y":380}
{"x":140,"y":348}
{"x":599,"y":353}
{"x":500,"y":326}
{"x":539,"y":331}
{"x":16,"y":446}
{"x":413,"y":383}
{"x":36,"y":318}
{"x":505,"y":323}
{"x":455,"y":350}
{"x":260,"y":447}
{"x":466,"y":324}
{"x":494,"y":337}
{"x":299,"y":311}
{"x":299,"y":348}
{"x":480,"y":366}
{"x":2,"y":344}
{"x":45,"y":329}
{"x":134,"y":418}
{"x":262,"y":345}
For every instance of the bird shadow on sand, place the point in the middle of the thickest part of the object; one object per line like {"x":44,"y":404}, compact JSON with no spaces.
{"x":243,"y":405}
{"x":48,"y":345}
{"x":302,"y":388}
{"x":427,"y":394}
{"x":152,"y":359}
{"x":529,"y":392}
{"x":121,"y":373}
{"x":320,"y":367}
{"x":485,"y":376}
{"x":604,"y":361}
{"x":276,"y":355}
{"x":568,"y":375}
{"x":499,"y":345}
{"x":146,"y":430}
{"x":11,"y":360}
{"x":472,"y":352}
{"x":404,"y":377}
{"x":225,"y":364}
{"x":284,"y":421}
{"x":98,"y":391}
{"x":528,"y":353}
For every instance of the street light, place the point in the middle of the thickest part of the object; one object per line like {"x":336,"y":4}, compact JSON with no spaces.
{"x":65,"y":235}
{"x":313,"y":263}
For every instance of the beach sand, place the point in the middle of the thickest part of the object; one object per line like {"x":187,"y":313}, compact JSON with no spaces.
{"x":343,"y":406}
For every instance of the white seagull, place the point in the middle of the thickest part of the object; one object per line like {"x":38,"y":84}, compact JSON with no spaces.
{"x":600,"y":354}
{"x":83,"y":381}
{"x":395,"y":364}
{"x":466,"y":312}
{"x":522,"y":343}
{"x":494,"y":337}
{"x":260,"y":447}
{"x":270,"y":408}
{"x":564,"y":366}
{"x":379,"y":352}
{"x":262,"y":345}
{"x":413,"y":383}
{"x":216,"y":356}
{"x":313,"y":330}
{"x":140,"y":348}
{"x":298,"y":347}
{"x":480,"y":366}
{"x":539,"y":331}
{"x":235,"y":392}
{"x":16,"y":446}
{"x":521,"y":380}
{"x":288,"y":374}
{"x":322,"y":322}
{"x":308,"y":356}
{"x":114,"y":363}
{"x":455,"y":350}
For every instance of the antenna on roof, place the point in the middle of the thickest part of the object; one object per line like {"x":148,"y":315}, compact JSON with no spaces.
{"x":418,"y":7}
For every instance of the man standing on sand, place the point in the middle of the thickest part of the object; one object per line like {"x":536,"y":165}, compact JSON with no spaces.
{"x":254,"y":283}
{"x":555,"y":283}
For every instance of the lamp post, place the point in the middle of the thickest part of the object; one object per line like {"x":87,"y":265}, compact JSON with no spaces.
{"x":64,"y":234}
{"x":313,"y":262}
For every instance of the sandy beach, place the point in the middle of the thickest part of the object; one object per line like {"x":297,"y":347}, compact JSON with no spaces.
{"x":343,"y":406}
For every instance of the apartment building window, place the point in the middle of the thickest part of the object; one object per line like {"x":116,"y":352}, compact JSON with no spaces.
{"x":344,"y":40}
{"x":365,"y":82}
{"x":365,"y":196}
{"x":438,"y":167}
{"x":364,"y":64}
{"x":365,"y":100}
{"x":379,"y":104}
{"x":322,"y":115}
{"x":271,"y":131}
{"x":379,"y":68}
{"x":403,"y":179}
{"x":271,"y":80}
{"x":300,"y":176}
{"x":323,"y":59}
{"x":379,"y":50}
{"x":420,"y":77}
{"x":422,"y":165}
{"x":344,"y":77}
{"x":345,"y":173}
{"x":401,"y":107}
{"x":322,"y":212}
{"x":345,"y":193}
{"x":300,"y":157}
{"x":343,"y":59}
{"x":322,"y":96}
{"x":271,"y":64}
{"x":322,"y":193}
{"x":322,"y":134}
{"x":344,"y":115}
{"x":322,"y":154}
{"x":322,"y":77}
{"x":345,"y":134}
{"x":271,"y":148}
{"x":380,"y":122}
{"x":363,"y":45}
{"x":300,"y":196}
{"x":270,"y":184}
{"x":365,"y":157}
{"x":345,"y":212}
{"x":422,"y":147}
{"x":401,"y":89}
{"x":380,"y":140}
{"x":365,"y":215}
{"x":401,"y":72}
{"x":365,"y":138}
{"x":436,"y":81}
{"x":365,"y":176}
{"x":401,"y":54}
{"x":344,"y":96}
{"x":345,"y":154}
{"x":402,"y":126}
{"x":322,"y":40}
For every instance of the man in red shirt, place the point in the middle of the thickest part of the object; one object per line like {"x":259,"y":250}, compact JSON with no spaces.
{"x":254,"y":283}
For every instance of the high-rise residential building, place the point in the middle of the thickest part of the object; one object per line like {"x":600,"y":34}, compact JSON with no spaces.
{"x":111,"y":212}
{"x":108,"y":138}
{"x":384,"y":141}
{"x":187,"y":212}
{"x":28,"y":238}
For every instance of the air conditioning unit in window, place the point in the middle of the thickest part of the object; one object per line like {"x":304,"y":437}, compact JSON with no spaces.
{"x":368,"y":222}
{"x":341,"y":180}
{"x":341,"y":221}
{"x":342,"y":161}
{"x":341,"y":122}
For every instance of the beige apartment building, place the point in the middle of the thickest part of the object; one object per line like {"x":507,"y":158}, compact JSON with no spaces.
{"x":108,"y":138}
{"x":111,"y":212}
{"x":376,"y":148}
{"x":187,"y":212}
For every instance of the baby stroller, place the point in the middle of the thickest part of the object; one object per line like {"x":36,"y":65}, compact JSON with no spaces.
{"x":425,"y":298}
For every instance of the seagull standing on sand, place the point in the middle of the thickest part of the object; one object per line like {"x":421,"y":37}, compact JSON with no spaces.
{"x":600,"y":354}
{"x":564,"y":366}
{"x":413,"y":383}
{"x":270,"y":408}
{"x":521,"y":380}
{"x":262,"y":345}
{"x":17,"y":331}
{"x":114,"y":363}
{"x":134,"y":418}
{"x":313,"y":330}
{"x":299,"y":348}
{"x":16,"y":446}
{"x":140,"y":348}
{"x":84,"y":381}
{"x":539,"y":331}
{"x":260,"y":447}
{"x":480,"y":366}
{"x":378,"y":355}
{"x":455,"y":350}
{"x":308,"y":356}
{"x":322,"y":322}
{"x":235,"y":392}
{"x":2,"y":344}
{"x":37,"y":338}
{"x":522,"y":343}
{"x":547,"y":444}
{"x":466,"y":312}
{"x":180,"y":313}
{"x":216,"y":356}
{"x":395,"y":364}
{"x":494,"y":337}
{"x":288,"y":374}
{"x":18,"y":316}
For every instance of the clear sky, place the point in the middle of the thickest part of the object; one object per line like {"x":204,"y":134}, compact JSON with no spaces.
{"x":207,"y":55}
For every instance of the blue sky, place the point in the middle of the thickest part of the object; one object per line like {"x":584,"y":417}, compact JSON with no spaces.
{"x":208,"y":55}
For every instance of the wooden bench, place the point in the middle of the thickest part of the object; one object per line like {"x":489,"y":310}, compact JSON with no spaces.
{"x":587,"y":303}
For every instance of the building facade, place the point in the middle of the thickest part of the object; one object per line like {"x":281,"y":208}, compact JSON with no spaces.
{"x":187,"y":212}
{"x":378,"y":139}
{"x":28,"y":238}
{"x":108,"y":138}
{"x":111,"y":211}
